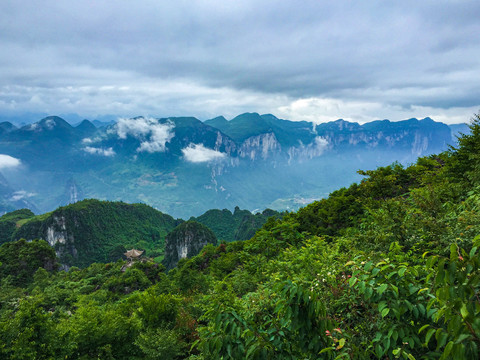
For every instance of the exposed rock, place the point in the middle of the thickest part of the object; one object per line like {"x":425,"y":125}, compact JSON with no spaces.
{"x":185,"y":241}
{"x":260,"y":146}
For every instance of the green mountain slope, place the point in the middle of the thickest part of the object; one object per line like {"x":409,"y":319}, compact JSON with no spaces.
{"x":99,"y":231}
{"x":239,"y":225}
{"x":11,"y":221}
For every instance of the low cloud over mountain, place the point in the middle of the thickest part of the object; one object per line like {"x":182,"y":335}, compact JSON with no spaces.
{"x":184,"y":166}
{"x":149,"y":131}
{"x":197,"y":153}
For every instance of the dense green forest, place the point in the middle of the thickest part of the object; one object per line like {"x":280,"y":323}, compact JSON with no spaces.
{"x":91,"y":230}
{"x":386,"y":268}
{"x":98,"y":231}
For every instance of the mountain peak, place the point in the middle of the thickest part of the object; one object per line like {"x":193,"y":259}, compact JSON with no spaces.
{"x":428,"y":119}
{"x":269,"y":117}
{"x":7,"y":126}
{"x":247,"y":117}
{"x":49,"y":123}
{"x":219,"y":122}
{"x":218,"y":118}
{"x":86,"y":126}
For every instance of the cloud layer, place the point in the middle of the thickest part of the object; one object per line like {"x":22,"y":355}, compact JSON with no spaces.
{"x":198,"y":153}
{"x":370,"y":60}
{"x":7,"y":161}
{"x":152,"y":134}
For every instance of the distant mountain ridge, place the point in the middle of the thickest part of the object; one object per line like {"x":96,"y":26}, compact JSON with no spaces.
{"x":184,"y":166}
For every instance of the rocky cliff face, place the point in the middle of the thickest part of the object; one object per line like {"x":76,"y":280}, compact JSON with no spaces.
{"x":185,"y":241}
{"x":54,"y":230}
{"x":259,"y":147}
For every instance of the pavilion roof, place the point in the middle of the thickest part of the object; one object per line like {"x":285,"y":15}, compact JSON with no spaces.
{"x":133,"y":253}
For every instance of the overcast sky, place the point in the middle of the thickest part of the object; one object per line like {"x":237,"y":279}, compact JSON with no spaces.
{"x":299,"y":60}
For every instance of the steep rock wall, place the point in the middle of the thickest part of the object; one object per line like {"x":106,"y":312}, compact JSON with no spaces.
{"x":185,"y":241}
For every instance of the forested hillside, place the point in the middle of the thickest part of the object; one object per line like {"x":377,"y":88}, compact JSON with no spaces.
{"x":100,"y":231}
{"x":239,"y":225}
{"x":386,"y":268}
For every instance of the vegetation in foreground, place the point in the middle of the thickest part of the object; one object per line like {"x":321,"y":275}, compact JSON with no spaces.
{"x":387,"y":268}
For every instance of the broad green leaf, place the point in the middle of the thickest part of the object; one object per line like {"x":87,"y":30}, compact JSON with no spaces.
{"x":382,"y":288}
{"x":473,"y":251}
{"x":447,"y":351}
{"x":385,"y":312}
{"x":423,"y":328}
{"x":430,"y":332}
{"x":382,"y":305}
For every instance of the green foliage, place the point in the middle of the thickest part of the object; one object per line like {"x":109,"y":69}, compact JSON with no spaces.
{"x":456,"y":285}
{"x":465,"y":162}
{"x":160,"y":344}
{"x":19,"y":260}
{"x":10,"y":221}
{"x":29,"y":333}
{"x":285,"y":322}
{"x":342,"y":209}
{"x":98,"y":231}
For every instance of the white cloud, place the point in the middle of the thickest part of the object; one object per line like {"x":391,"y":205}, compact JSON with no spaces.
{"x":321,"y":145}
{"x":33,"y":127}
{"x":50,"y":124}
{"x":197,"y":153}
{"x":7,"y":161}
{"x":149,"y":131}
{"x":22,"y":194}
{"x":319,"y":110}
{"x":91,"y":141}
{"x":99,"y":151}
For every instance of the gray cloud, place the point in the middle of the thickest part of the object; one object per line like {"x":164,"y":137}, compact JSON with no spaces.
{"x":207,"y":57}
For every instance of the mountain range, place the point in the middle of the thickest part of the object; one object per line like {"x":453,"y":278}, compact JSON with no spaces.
{"x":183,"y":166}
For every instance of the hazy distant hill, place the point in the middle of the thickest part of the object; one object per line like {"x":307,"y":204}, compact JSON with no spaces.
{"x":239,"y":225}
{"x":184,"y":167}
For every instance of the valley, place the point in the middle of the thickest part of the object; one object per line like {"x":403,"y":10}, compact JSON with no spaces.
{"x":184,"y":167}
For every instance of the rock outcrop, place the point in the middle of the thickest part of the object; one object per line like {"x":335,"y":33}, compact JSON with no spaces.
{"x":185,"y":241}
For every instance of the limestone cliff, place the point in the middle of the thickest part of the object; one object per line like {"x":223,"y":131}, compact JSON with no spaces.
{"x":185,"y":241}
